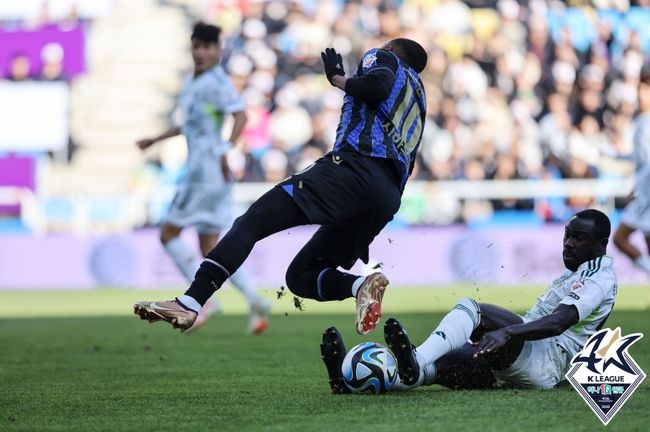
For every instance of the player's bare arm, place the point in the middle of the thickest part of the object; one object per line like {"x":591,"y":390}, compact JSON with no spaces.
{"x":554,"y":324}
{"x":237,"y":128}
{"x":148,"y":142}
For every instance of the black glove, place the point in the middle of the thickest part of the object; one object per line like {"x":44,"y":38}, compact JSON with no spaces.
{"x":333,"y":63}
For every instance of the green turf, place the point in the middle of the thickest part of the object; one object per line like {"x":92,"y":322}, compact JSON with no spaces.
{"x":14,"y":304}
{"x":120,"y":373}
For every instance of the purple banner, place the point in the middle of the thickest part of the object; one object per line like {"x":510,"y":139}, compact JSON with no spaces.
{"x":414,"y":256}
{"x":57,"y":41}
{"x":16,"y":171}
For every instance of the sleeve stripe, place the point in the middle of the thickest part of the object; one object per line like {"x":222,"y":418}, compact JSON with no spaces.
{"x":594,"y":267}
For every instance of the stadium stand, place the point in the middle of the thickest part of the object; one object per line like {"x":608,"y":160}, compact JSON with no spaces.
{"x":517,"y":90}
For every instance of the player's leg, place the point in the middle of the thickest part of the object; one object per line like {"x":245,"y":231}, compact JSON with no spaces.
{"x":313,"y":273}
{"x":184,"y":257}
{"x":187,"y":262}
{"x":208,"y":238}
{"x":622,"y":241}
{"x":271,"y":213}
{"x":240,"y":279}
{"x":495,"y":317}
{"x":353,"y":197}
{"x":459,"y":369}
{"x":644,"y":261}
{"x":636,"y":216}
{"x":466,"y":320}
{"x":259,"y":307}
{"x":180,"y":215}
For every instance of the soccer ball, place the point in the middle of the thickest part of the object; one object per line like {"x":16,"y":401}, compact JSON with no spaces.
{"x":369,"y":367}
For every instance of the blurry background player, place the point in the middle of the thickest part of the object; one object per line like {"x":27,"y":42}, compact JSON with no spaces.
{"x":636,"y":215}
{"x":530,"y":351}
{"x":204,"y":198}
{"x":352,"y":192}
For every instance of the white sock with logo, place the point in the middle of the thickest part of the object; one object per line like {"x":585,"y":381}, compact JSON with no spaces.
{"x":186,"y":261}
{"x":643,"y":262}
{"x":453,"y":332}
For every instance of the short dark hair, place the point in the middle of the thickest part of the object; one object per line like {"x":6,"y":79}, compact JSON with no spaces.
{"x":206,"y":32}
{"x":411,"y":52}
{"x":602,"y":225}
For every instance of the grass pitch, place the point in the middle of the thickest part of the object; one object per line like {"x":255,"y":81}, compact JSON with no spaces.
{"x":88,"y":372}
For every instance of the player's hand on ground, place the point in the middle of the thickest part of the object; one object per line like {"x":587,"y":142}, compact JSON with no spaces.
{"x":145,"y":143}
{"x":492,"y":341}
{"x":333,"y":63}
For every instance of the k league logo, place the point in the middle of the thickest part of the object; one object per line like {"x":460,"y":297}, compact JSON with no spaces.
{"x":604,"y":373}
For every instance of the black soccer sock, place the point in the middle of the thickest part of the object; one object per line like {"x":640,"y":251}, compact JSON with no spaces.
{"x":272,"y":212}
{"x":335,"y":285}
{"x":207,"y":280}
{"x":320,"y":283}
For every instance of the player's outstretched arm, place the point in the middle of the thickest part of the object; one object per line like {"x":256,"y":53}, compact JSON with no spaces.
{"x":238,"y":126}
{"x":374,"y":86}
{"x":554,"y":324}
{"x":148,"y":142}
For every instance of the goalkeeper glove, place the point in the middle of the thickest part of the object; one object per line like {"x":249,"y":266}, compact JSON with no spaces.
{"x":333,"y":63}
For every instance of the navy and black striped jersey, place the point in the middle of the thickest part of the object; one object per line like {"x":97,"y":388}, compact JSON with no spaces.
{"x":390,"y":128}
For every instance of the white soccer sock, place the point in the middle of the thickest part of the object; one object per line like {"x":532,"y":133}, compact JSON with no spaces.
{"x":356,"y":285}
{"x":643,"y":262}
{"x":241,"y":281}
{"x":453,"y":332}
{"x":186,"y":261}
{"x":189,"y":302}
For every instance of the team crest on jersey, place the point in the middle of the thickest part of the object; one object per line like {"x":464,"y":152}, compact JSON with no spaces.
{"x":369,"y":60}
{"x":604,"y":373}
{"x":577,"y":285}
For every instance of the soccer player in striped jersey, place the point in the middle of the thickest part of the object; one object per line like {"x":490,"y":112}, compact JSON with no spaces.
{"x":636,"y":215}
{"x":352,"y":192}
{"x":533,"y":350}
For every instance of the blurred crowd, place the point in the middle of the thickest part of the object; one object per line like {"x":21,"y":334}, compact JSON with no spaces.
{"x":515,"y":89}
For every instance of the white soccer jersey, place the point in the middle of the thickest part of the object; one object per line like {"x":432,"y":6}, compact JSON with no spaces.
{"x":591,"y":289}
{"x":204,"y":198}
{"x":204,"y":101}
